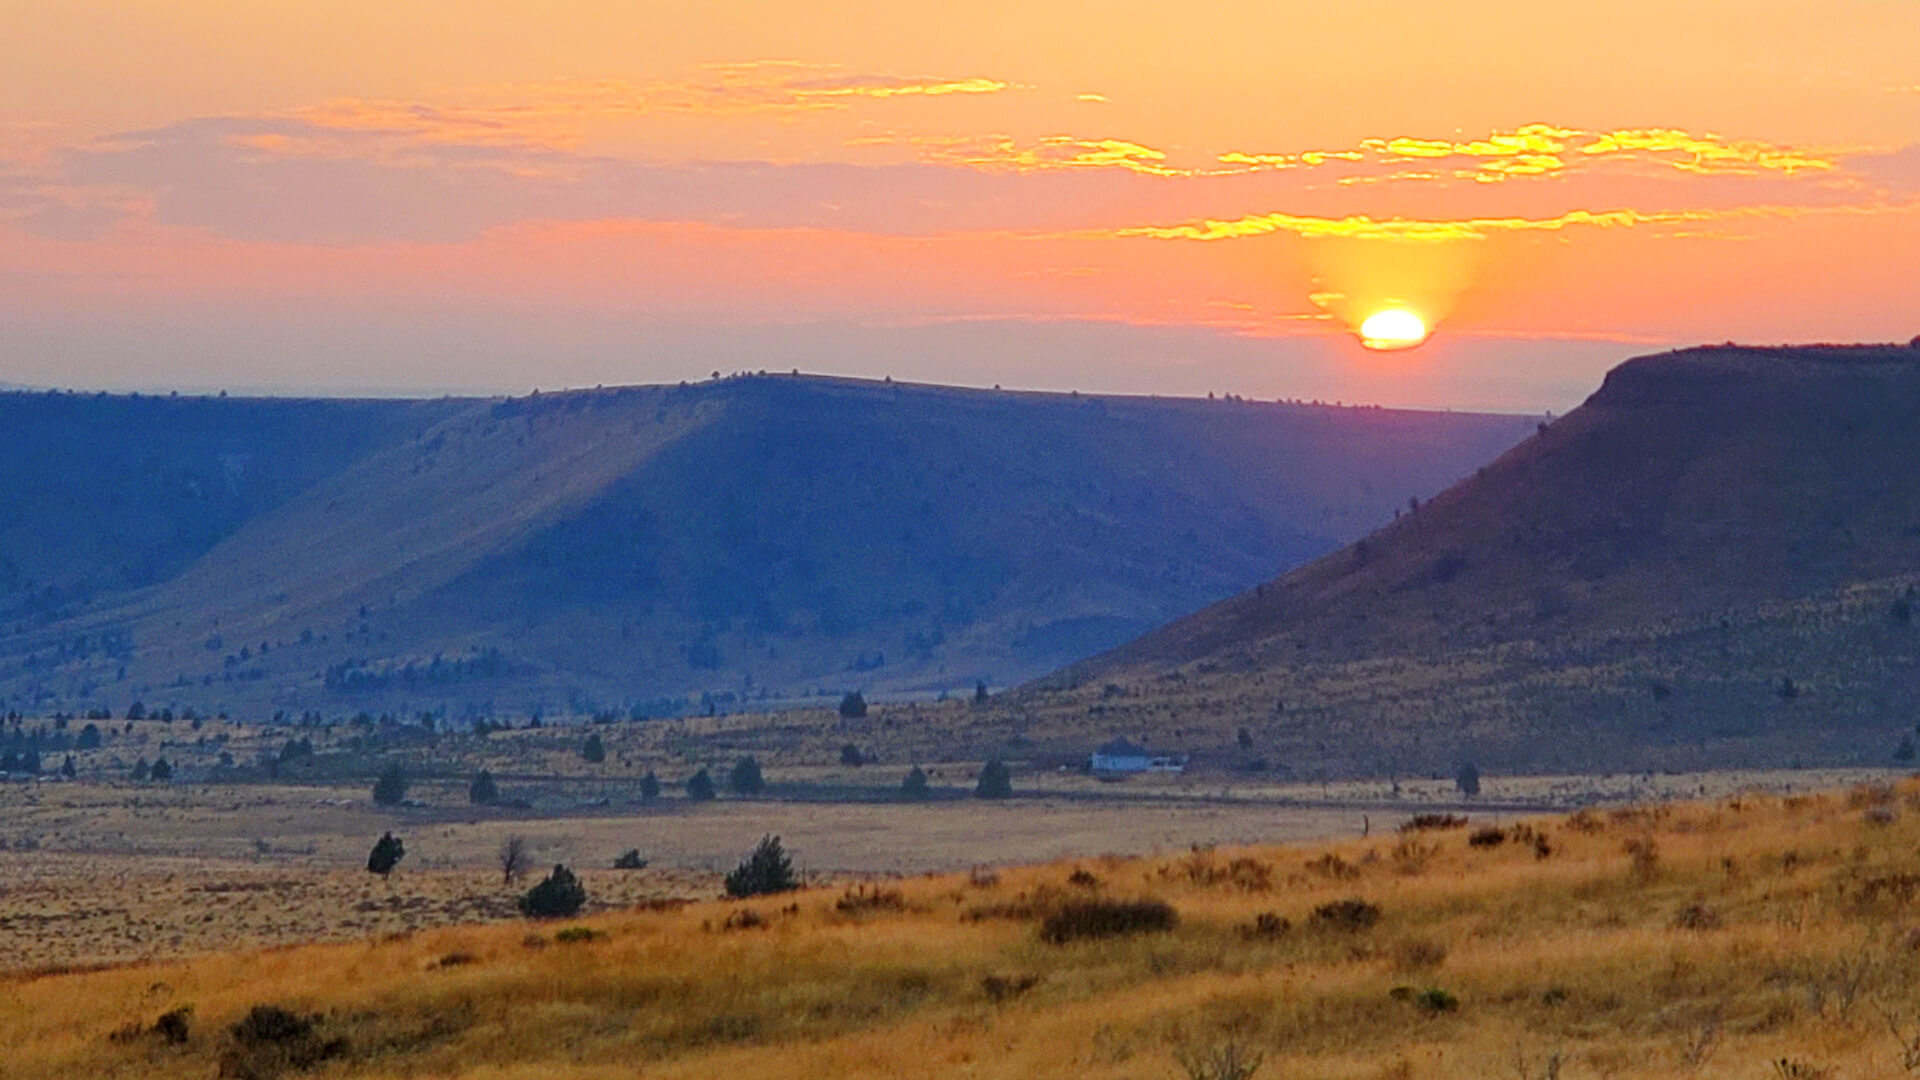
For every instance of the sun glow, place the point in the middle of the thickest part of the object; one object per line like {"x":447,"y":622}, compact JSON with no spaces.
{"x":1393,"y":328}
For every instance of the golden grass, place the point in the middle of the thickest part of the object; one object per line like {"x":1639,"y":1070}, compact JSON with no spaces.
{"x":1748,"y":930}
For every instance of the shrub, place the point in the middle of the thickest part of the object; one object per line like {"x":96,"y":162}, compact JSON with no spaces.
{"x":1334,"y":867}
{"x":744,"y":919}
{"x":766,"y":870}
{"x":630,"y":860}
{"x":1435,"y":1000}
{"x":862,"y":900}
{"x":999,"y":988}
{"x":173,"y":1026}
{"x":1225,"y":1061}
{"x":853,"y":706}
{"x":1351,"y":915}
{"x":996,"y":781}
{"x":649,"y":786}
{"x":851,"y":755}
{"x":1083,"y":878}
{"x":386,"y":854}
{"x":1487,"y":837}
{"x":1697,"y":917}
{"x":577,"y":935}
{"x":271,"y":1040}
{"x":1410,"y":856}
{"x":558,"y":896}
{"x":1267,"y":926}
{"x":1418,"y":954}
{"x":914,"y":785}
{"x":1107,"y":918}
{"x":1423,"y":822}
{"x":745,"y":779}
{"x":391,"y":788}
{"x":162,"y":771}
{"x":593,"y":751}
{"x":482,"y":791}
{"x":700,"y":786}
{"x":1467,"y":780}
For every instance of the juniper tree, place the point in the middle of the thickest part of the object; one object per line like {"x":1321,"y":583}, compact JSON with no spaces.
{"x":386,"y":854}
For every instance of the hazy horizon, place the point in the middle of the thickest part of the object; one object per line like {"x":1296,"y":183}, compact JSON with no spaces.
{"x":340,"y":197}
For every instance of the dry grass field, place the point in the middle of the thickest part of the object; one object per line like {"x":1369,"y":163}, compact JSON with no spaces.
{"x":1749,"y":935}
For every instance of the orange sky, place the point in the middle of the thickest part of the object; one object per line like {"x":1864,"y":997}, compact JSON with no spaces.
{"x":494,"y":195}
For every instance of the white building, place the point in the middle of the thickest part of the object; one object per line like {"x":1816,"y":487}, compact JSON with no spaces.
{"x":1120,"y":758}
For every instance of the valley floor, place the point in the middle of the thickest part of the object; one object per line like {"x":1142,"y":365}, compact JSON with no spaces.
{"x":1745,"y":935}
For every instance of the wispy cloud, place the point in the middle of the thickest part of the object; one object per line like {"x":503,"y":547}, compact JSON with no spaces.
{"x":1362,"y":227}
{"x":1548,"y":150}
{"x":1004,"y":153}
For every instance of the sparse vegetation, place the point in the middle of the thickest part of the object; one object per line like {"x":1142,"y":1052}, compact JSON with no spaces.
{"x":745,"y":778}
{"x":559,"y":895}
{"x":515,"y":858}
{"x":767,"y":869}
{"x":700,"y":787}
{"x":1799,"y":953}
{"x":914,"y":784}
{"x":1084,"y":919}
{"x":391,"y":788}
{"x":482,"y":791}
{"x":386,"y":854}
{"x":996,"y":781}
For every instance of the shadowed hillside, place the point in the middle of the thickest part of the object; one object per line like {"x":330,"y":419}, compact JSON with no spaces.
{"x":749,"y":540}
{"x":1719,"y":546}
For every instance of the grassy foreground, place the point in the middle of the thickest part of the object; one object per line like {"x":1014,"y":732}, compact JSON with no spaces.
{"x":1751,"y":937}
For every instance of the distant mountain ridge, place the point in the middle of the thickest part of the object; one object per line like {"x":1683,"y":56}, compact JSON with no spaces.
{"x":752,"y":540}
{"x":1720,"y":547}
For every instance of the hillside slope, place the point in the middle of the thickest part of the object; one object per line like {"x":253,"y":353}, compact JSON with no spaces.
{"x":754,"y":539}
{"x":1741,"y":524}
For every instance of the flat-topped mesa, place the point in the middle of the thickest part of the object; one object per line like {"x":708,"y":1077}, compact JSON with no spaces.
{"x":1715,"y":369}
{"x":1691,"y":482}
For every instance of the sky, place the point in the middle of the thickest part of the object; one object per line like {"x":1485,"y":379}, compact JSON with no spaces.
{"x":380,"y":196}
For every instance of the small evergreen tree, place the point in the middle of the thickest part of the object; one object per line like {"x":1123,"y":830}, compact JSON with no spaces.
{"x":391,"y":788}
{"x":386,"y":854}
{"x":140,"y":770}
{"x":66,"y":768}
{"x":1467,"y":780}
{"x":162,"y":770}
{"x":482,"y":791}
{"x":1903,"y":752}
{"x":558,"y":896}
{"x":914,"y":786}
{"x":649,"y":786}
{"x":594,"y":751}
{"x":745,"y":779}
{"x":853,"y":706}
{"x":700,"y":786}
{"x":766,"y":870}
{"x":996,"y":781}
{"x":88,"y":739}
{"x":851,"y":755}
{"x":980,"y":692}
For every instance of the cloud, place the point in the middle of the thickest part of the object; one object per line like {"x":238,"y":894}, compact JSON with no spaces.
{"x":1546,"y":150}
{"x":1363,"y":227}
{"x":1000,"y":153}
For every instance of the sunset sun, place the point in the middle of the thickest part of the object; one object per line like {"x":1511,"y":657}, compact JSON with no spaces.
{"x":1393,"y":328}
